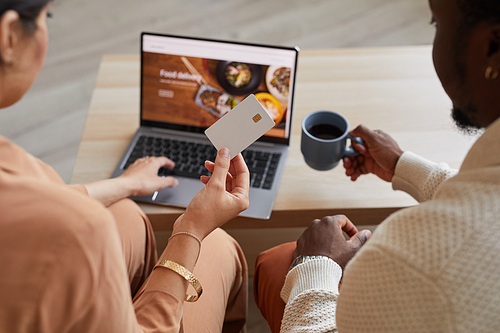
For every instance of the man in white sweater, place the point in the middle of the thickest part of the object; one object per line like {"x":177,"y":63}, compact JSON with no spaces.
{"x":434,"y":267}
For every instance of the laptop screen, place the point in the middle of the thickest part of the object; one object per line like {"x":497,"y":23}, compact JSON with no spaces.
{"x":189,"y":83}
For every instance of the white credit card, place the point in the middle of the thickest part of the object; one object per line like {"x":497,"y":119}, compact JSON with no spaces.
{"x":240,"y":127}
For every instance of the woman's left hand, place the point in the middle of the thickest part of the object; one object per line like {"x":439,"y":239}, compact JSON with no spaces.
{"x":142,"y":176}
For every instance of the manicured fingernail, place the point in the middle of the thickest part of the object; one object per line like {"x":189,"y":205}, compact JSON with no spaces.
{"x":224,"y":152}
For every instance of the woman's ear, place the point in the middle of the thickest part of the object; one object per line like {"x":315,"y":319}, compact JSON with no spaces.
{"x":9,"y":30}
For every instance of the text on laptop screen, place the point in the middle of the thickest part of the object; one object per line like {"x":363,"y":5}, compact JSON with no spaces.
{"x":193,"y":82}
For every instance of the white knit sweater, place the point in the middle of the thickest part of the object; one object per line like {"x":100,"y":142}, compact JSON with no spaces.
{"x":434,"y":267}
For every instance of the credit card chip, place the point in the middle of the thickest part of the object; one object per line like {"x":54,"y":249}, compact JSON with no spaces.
{"x":256,"y":118}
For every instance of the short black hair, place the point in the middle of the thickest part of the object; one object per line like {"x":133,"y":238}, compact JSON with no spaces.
{"x":28,"y":11}
{"x":479,"y":11}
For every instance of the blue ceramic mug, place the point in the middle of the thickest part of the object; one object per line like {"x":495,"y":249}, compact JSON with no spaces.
{"x":324,"y":139}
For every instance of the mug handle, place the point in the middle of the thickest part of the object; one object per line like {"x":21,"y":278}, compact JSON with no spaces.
{"x":350,"y":151}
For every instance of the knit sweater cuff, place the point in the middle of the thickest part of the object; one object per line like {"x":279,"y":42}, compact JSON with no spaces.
{"x":412,"y":171}
{"x":322,"y":274}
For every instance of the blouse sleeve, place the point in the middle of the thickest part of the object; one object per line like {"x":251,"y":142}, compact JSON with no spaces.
{"x":87,"y":289}
{"x":79,"y":188}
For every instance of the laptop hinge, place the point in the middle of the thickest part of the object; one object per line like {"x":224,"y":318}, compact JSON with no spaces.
{"x":181,"y":133}
{"x":263,"y":144}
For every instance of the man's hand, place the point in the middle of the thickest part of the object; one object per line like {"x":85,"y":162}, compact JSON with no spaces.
{"x":325,"y":238}
{"x":378,"y":155}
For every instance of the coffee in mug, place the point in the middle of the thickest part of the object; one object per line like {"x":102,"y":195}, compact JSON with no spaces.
{"x":324,"y":139}
{"x":325,"y":131}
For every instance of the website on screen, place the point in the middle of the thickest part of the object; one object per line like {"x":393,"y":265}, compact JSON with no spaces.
{"x":195,"y":82}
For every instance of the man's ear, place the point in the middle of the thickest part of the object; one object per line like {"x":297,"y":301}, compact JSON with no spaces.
{"x":9,"y":29}
{"x":494,"y":47}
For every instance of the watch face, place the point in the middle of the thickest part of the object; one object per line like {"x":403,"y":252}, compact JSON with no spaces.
{"x":300,"y":259}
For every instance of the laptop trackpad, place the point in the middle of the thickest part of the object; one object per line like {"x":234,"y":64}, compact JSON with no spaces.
{"x":181,"y":195}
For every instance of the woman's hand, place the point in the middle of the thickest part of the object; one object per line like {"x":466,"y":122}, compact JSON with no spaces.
{"x":142,"y":176}
{"x":224,"y":196}
{"x":379,"y":154}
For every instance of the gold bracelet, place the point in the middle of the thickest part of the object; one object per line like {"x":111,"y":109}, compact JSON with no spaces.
{"x":182,"y":271}
{"x":188,"y":234}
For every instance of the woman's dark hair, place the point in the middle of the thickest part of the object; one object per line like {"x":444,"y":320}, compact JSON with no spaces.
{"x":28,"y":11}
{"x":479,"y":11}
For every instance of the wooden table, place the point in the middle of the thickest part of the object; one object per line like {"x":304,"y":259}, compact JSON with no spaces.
{"x":394,"y":89}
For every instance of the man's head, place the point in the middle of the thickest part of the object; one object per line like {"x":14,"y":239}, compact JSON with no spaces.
{"x":479,"y":11}
{"x":467,"y":58}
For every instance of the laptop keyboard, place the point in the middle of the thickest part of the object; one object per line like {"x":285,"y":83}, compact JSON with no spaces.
{"x":190,"y":157}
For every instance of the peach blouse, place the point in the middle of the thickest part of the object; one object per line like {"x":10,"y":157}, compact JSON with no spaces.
{"x":62,"y":268}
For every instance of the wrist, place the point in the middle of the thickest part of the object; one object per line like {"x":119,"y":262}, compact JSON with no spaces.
{"x":301,"y":259}
{"x":126,"y":186}
{"x":186,"y":224}
{"x":397,"y":156}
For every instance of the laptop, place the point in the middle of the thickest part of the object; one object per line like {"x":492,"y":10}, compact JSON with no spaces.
{"x":187,"y":84}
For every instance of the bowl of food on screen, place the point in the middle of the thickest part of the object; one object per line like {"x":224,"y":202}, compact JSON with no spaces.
{"x":272,"y":106}
{"x":278,"y":82}
{"x":238,"y":78}
{"x":215,"y":101}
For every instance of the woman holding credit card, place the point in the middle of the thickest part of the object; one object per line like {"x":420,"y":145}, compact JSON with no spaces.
{"x":82,"y":258}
